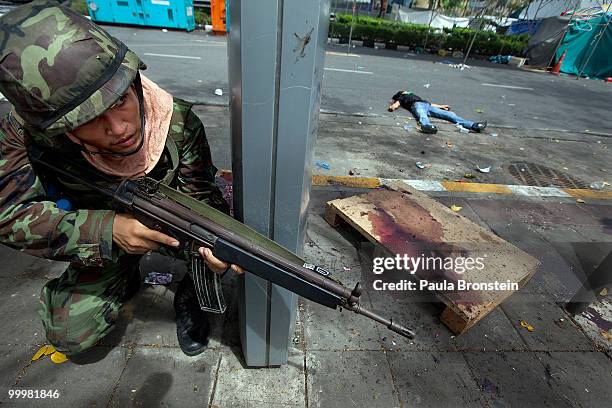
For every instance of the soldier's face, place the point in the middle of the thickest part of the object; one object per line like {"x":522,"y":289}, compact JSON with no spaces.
{"x":117,"y":130}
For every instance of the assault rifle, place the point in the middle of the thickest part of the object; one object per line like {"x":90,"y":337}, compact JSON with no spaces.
{"x":195,"y":224}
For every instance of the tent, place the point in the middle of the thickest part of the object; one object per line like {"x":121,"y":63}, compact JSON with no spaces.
{"x":585,"y":50}
{"x":539,"y":9}
{"x":589,"y":47}
{"x":544,"y":42}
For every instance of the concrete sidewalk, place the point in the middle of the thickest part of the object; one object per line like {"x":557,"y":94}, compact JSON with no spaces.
{"x":341,"y":359}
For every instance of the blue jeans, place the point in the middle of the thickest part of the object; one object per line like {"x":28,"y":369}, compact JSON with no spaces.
{"x":422,"y":111}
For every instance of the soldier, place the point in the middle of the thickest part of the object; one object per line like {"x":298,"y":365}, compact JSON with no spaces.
{"x":77,"y":95}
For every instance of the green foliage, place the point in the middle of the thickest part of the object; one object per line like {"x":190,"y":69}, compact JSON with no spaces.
{"x":202,"y":17}
{"x":413,"y":35}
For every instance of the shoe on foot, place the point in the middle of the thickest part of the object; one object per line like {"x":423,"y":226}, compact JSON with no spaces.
{"x":479,"y":126}
{"x":429,"y":129}
{"x":192,"y":327}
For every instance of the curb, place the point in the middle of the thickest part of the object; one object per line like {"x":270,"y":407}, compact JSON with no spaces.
{"x":453,"y":186}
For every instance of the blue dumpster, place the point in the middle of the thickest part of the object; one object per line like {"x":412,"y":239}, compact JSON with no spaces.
{"x":155,"y":13}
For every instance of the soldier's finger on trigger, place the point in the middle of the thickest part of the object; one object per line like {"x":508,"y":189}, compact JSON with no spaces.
{"x":160,"y":237}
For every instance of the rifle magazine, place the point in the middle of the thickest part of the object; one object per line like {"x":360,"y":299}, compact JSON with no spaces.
{"x":208,"y":287}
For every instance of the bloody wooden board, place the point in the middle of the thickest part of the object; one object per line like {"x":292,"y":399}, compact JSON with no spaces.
{"x":405,"y":221}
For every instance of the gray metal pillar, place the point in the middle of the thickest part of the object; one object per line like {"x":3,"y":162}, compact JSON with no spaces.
{"x":276,"y":56}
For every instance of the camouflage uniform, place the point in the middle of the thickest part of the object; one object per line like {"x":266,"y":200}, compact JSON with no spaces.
{"x":81,"y":306}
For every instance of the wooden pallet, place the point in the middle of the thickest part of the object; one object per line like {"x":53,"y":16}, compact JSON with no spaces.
{"x":402,"y":219}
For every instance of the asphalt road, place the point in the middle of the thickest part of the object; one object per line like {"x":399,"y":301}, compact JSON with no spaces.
{"x":193,"y":65}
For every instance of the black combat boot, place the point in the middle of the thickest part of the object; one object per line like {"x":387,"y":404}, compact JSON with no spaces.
{"x":192,"y":328}
{"x":429,"y":129}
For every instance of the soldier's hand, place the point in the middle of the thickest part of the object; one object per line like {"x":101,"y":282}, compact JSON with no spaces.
{"x":217,"y":265}
{"x":135,"y":238}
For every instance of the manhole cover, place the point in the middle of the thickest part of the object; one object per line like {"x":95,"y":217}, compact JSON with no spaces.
{"x":532,"y":174}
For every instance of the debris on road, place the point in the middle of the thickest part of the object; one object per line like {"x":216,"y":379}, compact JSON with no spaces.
{"x":580,"y":201}
{"x":460,"y":66}
{"x":484,"y":169}
{"x":422,"y":166}
{"x":478,"y":110}
{"x":469,"y":176}
{"x":598,"y":185}
{"x":449,"y":144}
{"x":527,"y":326}
{"x":493,"y":134}
{"x":219,"y":92}
{"x":427,"y":86}
{"x":500,"y":59}
{"x":59,"y":358}
{"x":45,"y":350}
{"x":456,"y":208}
{"x":604,"y":292}
{"x":461,"y":129}
{"x":353,"y":172}
{"x":323,"y":165}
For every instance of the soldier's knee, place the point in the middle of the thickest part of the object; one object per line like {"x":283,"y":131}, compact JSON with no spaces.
{"x":74,"y":328}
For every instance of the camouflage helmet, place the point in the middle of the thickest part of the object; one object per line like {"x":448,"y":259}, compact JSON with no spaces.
{"x":59,"y":70}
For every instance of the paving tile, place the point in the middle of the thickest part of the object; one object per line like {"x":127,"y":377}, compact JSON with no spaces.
{"x":514,"y":379}
{"x":240,"y":386}
{"x":582,"y":378}
{"x":602,"y":214}
{"x":533,"y":212}
{"x":419,"y":311}
{"x":417,"y":374}
{"x":147,"y":319}
{"x":166,"y":377}
{"x":320,"y":234}
{"x":14,"y":262}
{"x":466,"y":210}
{"x":86,"y":385}
{"x":559,"y":274}
{"x":328,"y":329}
{"x":493,"y":333}
{"x":555,"y":275}
{"x":601,"y":233}
{"x":13,"y":359}
{"x":19,"y":318}
{"x":349,"y":379}
{"x":21,"y":265}
{"x":553,"y":330}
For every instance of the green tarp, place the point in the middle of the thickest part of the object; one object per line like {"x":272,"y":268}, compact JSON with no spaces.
{"x":579,"y":41}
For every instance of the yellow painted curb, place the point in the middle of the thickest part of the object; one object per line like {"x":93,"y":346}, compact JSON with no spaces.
{"x":476,"y":187}
{"x":358,"y":182}
{"x":375,"y":182}
{"x":581,"y":193}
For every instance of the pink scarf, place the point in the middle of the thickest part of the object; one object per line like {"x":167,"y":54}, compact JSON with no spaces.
{"x":158,"y":107}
